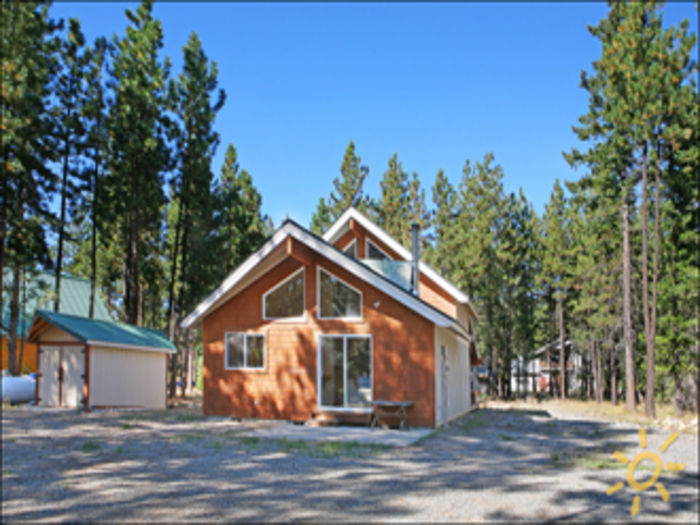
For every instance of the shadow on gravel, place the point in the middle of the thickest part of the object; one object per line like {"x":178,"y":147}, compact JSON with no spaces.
{"x":185,"y":470}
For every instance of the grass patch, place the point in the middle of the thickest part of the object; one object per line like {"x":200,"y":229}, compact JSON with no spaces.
{"x":593,"y":461}
{"x":473,"y":421}
{"x":119,"y":450}
{"x":8,"y":474}
{"x":434,"y":433}
{"x":189,"y":417}
{"x":185,"y":437}
{"x":127,"y":426}
{"x":319,"y":449}
{"x":506,"y":437}
{"x":90,"y":446}
{"x":147,"y":416}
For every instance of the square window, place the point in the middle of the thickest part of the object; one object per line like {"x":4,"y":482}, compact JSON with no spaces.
{"x":244,"y":351}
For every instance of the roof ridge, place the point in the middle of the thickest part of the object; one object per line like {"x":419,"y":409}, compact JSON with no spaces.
{"x":110,"y":321}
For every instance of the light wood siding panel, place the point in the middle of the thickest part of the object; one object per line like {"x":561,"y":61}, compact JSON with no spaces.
{"x":73,"y":367}
{"x":53,"y":333}
{"x":453,"y":398}
{"x":48,"y":382}
{"x":463,"y":315}
{"x":127,"y":378}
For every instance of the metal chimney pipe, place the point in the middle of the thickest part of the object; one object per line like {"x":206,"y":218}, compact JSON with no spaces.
{"x":414,"y":277}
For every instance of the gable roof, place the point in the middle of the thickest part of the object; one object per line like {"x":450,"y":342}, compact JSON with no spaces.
{"x":96,"y":332}
{"x":342,"y":224}
{"x":40,"y":292}
{"x":291,"y":229}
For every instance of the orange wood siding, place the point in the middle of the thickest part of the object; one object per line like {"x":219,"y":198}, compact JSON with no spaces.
{"x":402,"y":346}
{"x":28,"y":360}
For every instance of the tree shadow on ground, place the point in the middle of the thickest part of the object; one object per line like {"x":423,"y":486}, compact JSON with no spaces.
{"x":106,"y":467}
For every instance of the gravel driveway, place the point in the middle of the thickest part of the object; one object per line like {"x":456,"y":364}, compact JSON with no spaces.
{"x":503,"y":465}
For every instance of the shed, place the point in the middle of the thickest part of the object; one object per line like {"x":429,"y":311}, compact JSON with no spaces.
{"x":97,"y":364}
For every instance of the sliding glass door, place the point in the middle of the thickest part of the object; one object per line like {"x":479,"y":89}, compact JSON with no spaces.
{"x":345,"y":371}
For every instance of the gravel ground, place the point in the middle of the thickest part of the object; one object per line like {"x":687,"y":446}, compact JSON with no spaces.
{"x":494,"y":464}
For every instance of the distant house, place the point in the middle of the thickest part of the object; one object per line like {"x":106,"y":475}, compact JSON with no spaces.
{"x":538,"y":374}
{"x":316,"y":327}
{"x":91,"y":363}
{"x":38,"y":292}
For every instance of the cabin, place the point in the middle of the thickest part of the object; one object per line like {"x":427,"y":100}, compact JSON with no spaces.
{"x":88,"y":363}
{"x":539,"y":375}
{"x":322,"y":328}
{"x":38,"y":291}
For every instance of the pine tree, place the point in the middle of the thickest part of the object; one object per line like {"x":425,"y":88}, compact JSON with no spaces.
{"x":347,"y":192}
{"x":474,"y":246}
{"x":391,"y":210}
{"x":443,"y":225}
{"x":192,"y":186}
{"x":611,"y":158}
{"x":95,"y":112}
{"x":242,"y":226}
{"x":27,"y":67}
{"x":140,"y":154}
{"x":69,"y":128}
{"x":556,"y":223}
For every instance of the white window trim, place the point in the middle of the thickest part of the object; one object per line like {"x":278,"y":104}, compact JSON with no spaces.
{"x":351,"y":243}
{"x":368,"y":242}
{"x":319,"y":269}
{"x":296,"y":319}
{"x":344,"y":408}
{"x":245,"y":351}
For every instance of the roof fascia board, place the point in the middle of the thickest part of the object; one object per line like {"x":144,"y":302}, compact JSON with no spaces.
{"x":397,"y":247}
{"x":236,"y":275}
{"x":320,"y":246}
{"x":126,"y":346}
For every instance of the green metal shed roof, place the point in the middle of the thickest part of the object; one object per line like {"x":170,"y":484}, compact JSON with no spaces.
{"x":97,"y":332}
{"x":40,"y":293}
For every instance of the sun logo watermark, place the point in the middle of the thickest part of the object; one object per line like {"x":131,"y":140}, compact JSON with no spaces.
{"x":658,"y":467}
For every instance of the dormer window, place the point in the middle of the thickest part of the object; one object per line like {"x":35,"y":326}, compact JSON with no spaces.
{"x":351,"y":249}
{"x":372,"y":251}
{"x":286,"y":299}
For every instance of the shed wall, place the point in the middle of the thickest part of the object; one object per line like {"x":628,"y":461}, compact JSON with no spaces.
{"x":453,"y":376}
{"x":126,"y":378}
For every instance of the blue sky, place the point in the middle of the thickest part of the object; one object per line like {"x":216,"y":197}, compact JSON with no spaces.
{"x":436,"y":83}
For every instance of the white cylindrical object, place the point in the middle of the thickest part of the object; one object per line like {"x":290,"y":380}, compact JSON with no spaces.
{"x":18,"y":389}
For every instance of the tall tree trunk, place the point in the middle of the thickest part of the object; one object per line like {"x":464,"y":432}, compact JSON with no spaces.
{"x":3,"y":234}
{"x":651,"y":334}
{"x":187,"y":383}
{"x":645,"y":279}
{"x":613,"y":378}
{"x":550,"y":383}
{"x":627,"y":305}
{"x":173,"y":363}
{"x":596,"y":373}
{"x":562,"y":345}
{"x":62,"y":224}
{"x":489,"y":344}
{"x":93,"y":246}
{"x":14,"y":322}
{"x":173,"y":271}
{"x":24,"y":320}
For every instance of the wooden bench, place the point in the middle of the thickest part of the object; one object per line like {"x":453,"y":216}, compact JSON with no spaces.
{"x":389,"y":409}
